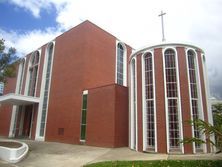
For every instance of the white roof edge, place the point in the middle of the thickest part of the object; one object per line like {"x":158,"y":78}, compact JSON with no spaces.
{"x":142,"y":49}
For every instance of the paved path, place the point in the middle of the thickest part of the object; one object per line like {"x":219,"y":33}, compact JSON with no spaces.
{"x":50,"y":154}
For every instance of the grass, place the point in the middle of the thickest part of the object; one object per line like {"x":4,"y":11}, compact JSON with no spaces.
{"x":160,"y":163}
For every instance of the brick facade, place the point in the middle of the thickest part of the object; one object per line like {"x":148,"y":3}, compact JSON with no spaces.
{"x":84,"y":60}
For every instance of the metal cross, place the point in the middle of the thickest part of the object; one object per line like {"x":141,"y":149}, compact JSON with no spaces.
{"x":161,"y":15}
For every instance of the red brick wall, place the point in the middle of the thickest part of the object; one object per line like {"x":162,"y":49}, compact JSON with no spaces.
{"x":36,"y":106}
{"x":139,"y":104}
{"x":101,"y":117}
{"x":84,"y":58}
{"x":160,"y":102}
{"x":6,"y":110}
{"x":107,"y":116}
{"x":184,"y":93}
{"x":204,"y":99}
{"x":121,"y":116}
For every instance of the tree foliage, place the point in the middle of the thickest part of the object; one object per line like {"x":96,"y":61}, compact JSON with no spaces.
{"x":208,"y":130}
{"x":7,"y":59}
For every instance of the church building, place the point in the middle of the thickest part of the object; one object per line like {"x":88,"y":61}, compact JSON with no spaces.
{"x":88,"y":87}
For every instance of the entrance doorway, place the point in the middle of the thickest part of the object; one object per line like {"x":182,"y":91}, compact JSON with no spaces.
{"x":23,"y":121}
{"x":26,"y":130}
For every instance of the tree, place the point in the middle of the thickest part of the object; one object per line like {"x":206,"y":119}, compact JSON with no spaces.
{"x":7,"y":62}
{"x":207,"y":129}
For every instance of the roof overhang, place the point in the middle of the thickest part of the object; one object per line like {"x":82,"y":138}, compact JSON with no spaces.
{"x":17,"y":99}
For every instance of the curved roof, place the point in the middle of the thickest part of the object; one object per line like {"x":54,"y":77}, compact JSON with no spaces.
{"x":168,"y":44}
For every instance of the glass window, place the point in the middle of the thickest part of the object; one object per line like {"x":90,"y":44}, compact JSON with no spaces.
{"x":46,"y":89}
{"x":22,"y":65}
{"x":120,"y":65}
{"x":194,"y":93}
{"x":83,"y":119}
{"x":1,"y":88}
{"x":172,"y":99}
{"x":33,"y":71}
{"x":134,"y":113}
{"x":149,"y":101}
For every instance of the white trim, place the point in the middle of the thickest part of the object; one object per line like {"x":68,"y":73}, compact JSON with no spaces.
{"x":163,"y":45}
{"x":132,"y":119}
{"x":154,"y":97}
{"x":124,"y":62}
{"x":208,"y":101}
{"x":13,"y":120}
{"x":14,"y":108}
{"x":39,"y":117}
{"x":144,"y":100}
{"x":179,"y":98}
{"x":201,"y":101}
{"x":85,"y":92}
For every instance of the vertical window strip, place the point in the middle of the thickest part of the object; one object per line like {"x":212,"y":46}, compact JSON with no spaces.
{"x":18,"y":109}
{"x":120,"y":64}
{"x":194,"y":95}
{"x":134,"y":115}
{"x":1,"y":88}
{"x":83,"y":118}
{"x":33,"y":71}
{"x":172,"y":100}
{"x":21,"y":77}
{"x":46,"y":91}
{"x":149,"y":101}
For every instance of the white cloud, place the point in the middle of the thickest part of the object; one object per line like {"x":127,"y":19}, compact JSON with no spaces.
{"x":34,"y":6}
{"x":26,"y":43}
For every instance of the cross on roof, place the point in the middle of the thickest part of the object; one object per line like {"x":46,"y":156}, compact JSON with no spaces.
{"x":161,"y":15}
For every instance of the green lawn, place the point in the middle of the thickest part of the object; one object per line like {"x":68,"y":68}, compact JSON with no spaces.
{"x":161,"y":163}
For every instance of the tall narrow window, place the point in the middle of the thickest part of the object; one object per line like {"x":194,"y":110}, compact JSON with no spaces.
{"x":134,"y":109}
{"x":121,"y":69}
{"x":194,"y":95}
{"x":46,"y":89}
{"x":172,"y":101}
{"x":83,"y":118}
{"x":33,"y":71}
{"x":149,"y":103}
{"x":1,"y":88}
{"x":21,"y":72}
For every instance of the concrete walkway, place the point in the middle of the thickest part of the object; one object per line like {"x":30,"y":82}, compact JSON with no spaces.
{"x":50,"y":154}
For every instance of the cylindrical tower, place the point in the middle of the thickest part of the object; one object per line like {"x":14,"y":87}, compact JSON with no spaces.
{"x":168,"y":86}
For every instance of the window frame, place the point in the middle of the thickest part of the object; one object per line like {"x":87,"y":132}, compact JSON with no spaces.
{"x":42,"y":91}
{"x":83,"y":120}
{"x":29,"y":75}
{"x":202,"y":147}
{"x":124,"y":82}
{"x":133,"y":107}
{"x":153,"y":99}
{"x":180,"y":148}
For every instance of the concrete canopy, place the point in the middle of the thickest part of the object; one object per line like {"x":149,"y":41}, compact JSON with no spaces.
{"x":17,"y":99}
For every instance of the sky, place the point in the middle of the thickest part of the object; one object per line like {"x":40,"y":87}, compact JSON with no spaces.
{"x":29,"y":24}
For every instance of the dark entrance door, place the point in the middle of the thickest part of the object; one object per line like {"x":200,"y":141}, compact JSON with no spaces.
{"x":27,"y":121}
